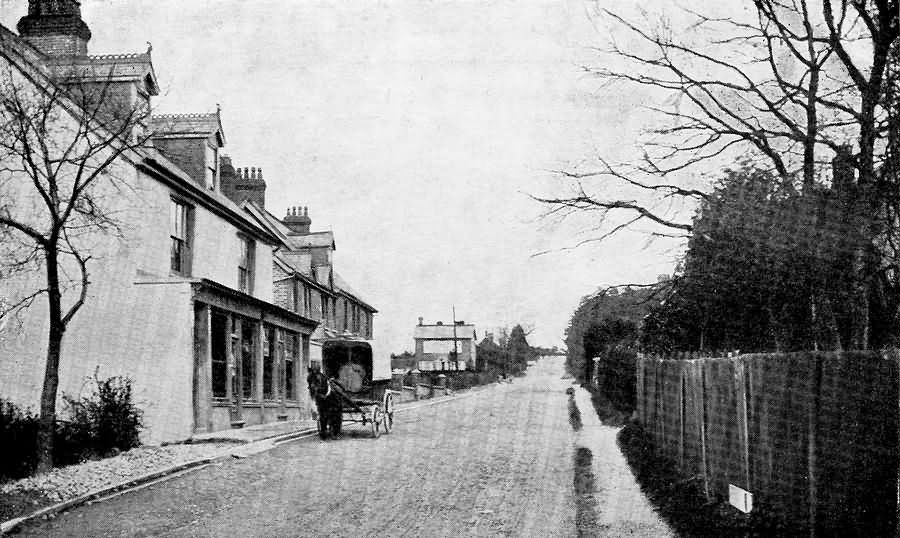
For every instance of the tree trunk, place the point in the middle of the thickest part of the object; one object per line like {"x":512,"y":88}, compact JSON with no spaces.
{"x":46,"y":427}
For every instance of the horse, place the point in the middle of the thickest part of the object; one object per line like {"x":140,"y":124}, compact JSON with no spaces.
{"x":328,"y":403}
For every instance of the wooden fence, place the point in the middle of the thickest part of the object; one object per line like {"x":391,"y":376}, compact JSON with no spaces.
{"x":813,"y":436}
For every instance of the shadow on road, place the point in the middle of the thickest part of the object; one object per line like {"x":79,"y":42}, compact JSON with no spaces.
{"x":574,"y":413}
{"x":584,"y":482}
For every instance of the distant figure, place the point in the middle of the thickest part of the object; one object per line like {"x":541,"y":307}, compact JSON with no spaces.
{"x":329,"y":404}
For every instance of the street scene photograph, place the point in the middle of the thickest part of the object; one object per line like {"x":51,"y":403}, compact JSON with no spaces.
{"x":449,"y":268}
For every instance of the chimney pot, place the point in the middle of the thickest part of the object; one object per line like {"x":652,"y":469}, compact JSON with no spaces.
{"x":259,"y":171}
{"x":421,"y":321}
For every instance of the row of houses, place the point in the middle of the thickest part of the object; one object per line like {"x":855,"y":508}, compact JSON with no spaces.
{"x":212,"y":305}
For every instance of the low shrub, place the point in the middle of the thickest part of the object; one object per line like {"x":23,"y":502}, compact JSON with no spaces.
{"x":18,"y":431}
{"x":617,"y":377}
{"x":101,"y":424}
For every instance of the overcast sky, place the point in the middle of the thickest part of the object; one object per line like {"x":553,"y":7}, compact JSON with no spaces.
{"x":415,"y":131}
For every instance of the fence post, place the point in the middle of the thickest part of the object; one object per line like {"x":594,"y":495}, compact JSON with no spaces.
{"x":681,"y":404}
{"x":740,"y":385}
{"x":813,"y":433}
{"x":700,"y":373}
{"x":639,"y":390}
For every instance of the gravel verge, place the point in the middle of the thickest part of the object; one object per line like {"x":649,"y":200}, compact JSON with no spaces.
{"x":24,"y":496}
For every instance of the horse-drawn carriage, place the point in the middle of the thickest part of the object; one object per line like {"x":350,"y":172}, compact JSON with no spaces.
{"x":352,"y":386}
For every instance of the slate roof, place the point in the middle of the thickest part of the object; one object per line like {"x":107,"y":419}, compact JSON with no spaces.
{"x":312,"y":240}
{"x":294,"y":242}
{"x":203,"y":124}
{"x":137,"y":67}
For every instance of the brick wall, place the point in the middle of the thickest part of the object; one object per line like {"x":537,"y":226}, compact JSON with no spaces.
{"x":59,"y":45}
{"x":283,"y":292}
{"x":189,"y":154}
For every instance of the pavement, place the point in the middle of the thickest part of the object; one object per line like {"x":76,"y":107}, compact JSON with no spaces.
{"x":257,"y":432}
{"x":625,"y":510}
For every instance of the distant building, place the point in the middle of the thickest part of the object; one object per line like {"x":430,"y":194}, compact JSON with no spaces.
{"x":445,"y":347}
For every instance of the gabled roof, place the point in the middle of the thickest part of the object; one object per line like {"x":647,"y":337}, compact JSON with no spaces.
{"x":265,"y":219}
{"x":285,"y":266}
{"x":312,"y":240}
{"x":136,"y":67}
{"x":291,"y":240}
{"x":345,"y":289}
{"x":188,"y":125}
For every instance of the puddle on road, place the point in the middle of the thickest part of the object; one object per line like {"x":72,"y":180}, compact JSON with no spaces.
{"x":584,"y":483}
{"x":583,"y":480}
{"x":574,"y":414}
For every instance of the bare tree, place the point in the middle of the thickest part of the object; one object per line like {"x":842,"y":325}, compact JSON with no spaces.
{"x":62,"y":143}
{"x":789,"y":87}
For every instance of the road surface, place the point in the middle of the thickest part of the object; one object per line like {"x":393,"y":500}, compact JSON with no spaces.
{"x":500,"y":461}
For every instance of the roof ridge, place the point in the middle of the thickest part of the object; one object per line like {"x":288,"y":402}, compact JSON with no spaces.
{"x":191,"y":115}
{"x":120,"y":56}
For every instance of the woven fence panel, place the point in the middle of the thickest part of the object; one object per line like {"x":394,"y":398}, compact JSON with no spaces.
{"x":857,"y":442}
{"x":780,"y":397}
{"x":814,"y":436}
{"x":723,"y":448}
{"x":671,"y":408}
{"x":694,"y":426}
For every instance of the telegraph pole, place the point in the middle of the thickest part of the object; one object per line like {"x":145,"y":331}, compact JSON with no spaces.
{"x":455,"y":351}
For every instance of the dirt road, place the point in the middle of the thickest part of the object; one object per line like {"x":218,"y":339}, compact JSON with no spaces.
{"x":501,"y":461}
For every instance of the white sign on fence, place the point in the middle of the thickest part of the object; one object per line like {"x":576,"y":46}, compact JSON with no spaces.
{"x":740,"y":498}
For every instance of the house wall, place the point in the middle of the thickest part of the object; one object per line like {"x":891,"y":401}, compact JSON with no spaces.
{"x":465,"y":350}
{"x":123,"y":329}
{"x":137,"y":318}
{"x":215,"y":250}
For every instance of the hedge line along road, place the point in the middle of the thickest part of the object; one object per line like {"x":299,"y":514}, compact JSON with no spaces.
{"x":500,"y":461}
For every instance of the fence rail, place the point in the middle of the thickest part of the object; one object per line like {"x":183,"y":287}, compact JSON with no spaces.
{"x":813,"y":436}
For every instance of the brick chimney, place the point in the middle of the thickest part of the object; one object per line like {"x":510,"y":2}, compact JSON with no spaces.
{"x":55,"y":27}
{"x":240,"y":184}
{"x":297,"y":219}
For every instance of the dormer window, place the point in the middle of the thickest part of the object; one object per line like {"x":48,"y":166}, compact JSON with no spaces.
{"x":212,"y":167}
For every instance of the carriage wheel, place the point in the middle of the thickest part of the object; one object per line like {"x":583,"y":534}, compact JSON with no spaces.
{"x":376,"y":419}
{"x":388,"y":412}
